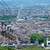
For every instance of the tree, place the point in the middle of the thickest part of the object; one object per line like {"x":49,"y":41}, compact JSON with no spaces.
{"x":37,"y":37}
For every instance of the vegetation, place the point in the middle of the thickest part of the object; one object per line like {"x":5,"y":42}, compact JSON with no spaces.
{"x":27,"y":48}
{"x":6,"y":17}
{"x":33,"y":48}
{"x":7,"y":48}
{"x":45,"y":42}
{"x":37,"y":37}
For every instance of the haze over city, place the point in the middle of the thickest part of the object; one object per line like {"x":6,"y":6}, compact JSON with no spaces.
{"x":27,"y":2}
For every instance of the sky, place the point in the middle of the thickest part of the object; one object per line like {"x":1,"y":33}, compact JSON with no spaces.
{"x":27,"y":2}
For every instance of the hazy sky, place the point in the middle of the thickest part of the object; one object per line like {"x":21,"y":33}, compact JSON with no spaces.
{"x":32,"y":2}
{"x":28,"y":2}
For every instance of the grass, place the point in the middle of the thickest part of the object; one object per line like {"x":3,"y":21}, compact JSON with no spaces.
{"x":7,"y":48}
{"x":33,"y":48}
{"x":26,"y":48}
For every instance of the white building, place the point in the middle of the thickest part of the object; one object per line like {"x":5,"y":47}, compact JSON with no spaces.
{"x":48,"y":42}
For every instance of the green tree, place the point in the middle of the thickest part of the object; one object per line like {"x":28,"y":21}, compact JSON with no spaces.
{"x":37,"y":37}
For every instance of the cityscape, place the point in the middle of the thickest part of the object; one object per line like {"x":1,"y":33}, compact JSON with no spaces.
{"x":24,"y":27}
